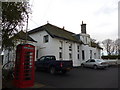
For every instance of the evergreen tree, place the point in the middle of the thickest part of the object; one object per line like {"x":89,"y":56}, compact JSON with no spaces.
{"x":14,"y":17}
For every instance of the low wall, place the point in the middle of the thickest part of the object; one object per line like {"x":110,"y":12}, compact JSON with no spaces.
{"x":113,"y":60}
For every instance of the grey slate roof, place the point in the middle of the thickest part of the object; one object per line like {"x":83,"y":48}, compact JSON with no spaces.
{"x":22,"y":35}
{"x":56,"y":32}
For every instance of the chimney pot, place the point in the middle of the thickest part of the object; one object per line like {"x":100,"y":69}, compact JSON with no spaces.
{"x":82,"y":22}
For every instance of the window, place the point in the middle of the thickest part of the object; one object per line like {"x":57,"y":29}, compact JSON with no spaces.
{"x":90,"y":54}
{"x":60,"y":48}
{"x":78,"y":48}
{"x":78,"y":56}
{"x":50,"y":58}
{"x":88,"y":60}
{"x":45,"y":39}
{"x":61,"y":45}
{"x":42,"y":58}
{"x":83,"y":55}
{"x":92,"y":60}
{"x":70,"y":47}
{"x":37,"y":54}
{"x":95,"y":55}
{"x":86,"y":40}
{"x":60,"y":55}
{"x":70,"y":56}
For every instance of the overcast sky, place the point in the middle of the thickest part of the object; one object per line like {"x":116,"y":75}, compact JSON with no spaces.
{"x":101,"y":16}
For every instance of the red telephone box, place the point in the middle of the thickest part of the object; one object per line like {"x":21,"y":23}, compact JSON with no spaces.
{"x":24,"y":66}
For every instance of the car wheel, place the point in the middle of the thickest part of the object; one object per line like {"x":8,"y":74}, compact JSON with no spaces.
{"x":52,"y":70}
{"x":95,"y":66}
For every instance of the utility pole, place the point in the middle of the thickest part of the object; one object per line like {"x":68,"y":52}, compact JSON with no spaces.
{"x":26,"y":29}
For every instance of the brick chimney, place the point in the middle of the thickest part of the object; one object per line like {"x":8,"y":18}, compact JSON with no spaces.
{"x":83,"y":28}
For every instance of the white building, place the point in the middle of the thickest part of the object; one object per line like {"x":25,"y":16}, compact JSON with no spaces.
{"x":65,"y":45}
{"x":19,"y":38}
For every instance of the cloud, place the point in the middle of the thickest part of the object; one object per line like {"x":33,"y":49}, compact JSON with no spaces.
{"x":106,"y":10}
{"x":100,"y":15}
{"x":119,"y":19}
{"x":108,"y":7}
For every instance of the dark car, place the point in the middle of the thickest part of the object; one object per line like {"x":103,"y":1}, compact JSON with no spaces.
{"x":52,"y":65}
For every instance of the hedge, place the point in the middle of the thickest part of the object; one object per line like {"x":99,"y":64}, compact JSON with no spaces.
{"x":111,"y":57}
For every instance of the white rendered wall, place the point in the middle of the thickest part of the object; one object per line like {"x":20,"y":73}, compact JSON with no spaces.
{"x":43,"y":48}
{"x":53,"y":48}
{"x":87,"y":49}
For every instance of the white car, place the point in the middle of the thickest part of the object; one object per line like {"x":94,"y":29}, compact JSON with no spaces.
{"x":95,"y":63}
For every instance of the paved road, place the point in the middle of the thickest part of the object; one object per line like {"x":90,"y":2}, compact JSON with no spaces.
{"x":80,"y":78}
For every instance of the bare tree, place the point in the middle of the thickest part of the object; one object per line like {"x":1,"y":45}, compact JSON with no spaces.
{"x":117,"y":46}
{"x":109,"y":46}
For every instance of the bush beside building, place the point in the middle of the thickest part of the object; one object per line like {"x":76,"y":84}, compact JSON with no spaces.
{"x":111,"y":57}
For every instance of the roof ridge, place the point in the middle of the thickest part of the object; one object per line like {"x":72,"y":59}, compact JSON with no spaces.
{"x":51,"y":25}
{"x":59,"y":28}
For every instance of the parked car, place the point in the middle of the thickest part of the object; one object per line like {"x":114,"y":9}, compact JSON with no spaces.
{"x":95,"y":63}
{"x":52,"y":65}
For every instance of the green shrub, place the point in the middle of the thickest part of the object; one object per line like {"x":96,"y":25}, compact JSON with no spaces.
{"x":111,"y":57}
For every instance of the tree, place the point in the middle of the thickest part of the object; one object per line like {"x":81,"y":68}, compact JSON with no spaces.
{"x":117,"y":46}
{"x":14,"y":16}
{"x":109,"y":46}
